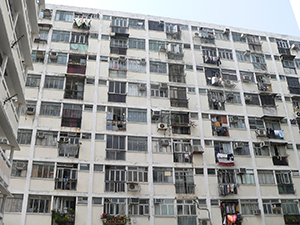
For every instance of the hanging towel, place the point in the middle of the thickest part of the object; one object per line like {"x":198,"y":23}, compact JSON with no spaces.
{"x":281,"y":134}
{"x":276,"y":132}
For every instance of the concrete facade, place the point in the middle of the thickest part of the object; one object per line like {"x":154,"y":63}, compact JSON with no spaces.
{"x":162,"y":120}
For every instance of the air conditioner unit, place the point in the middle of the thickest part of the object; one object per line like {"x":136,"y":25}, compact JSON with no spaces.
{"x":133,"y":187}
{"x":157,"y":201}
{"x":162,"y":48}
{"x":297,"y":114}
{"x":247,"y":52}
{"x":161,"y":22}
{"x":53,"y":55}
{"x":165,"y":143}
{"x":248,"y":98}
{"x":264,"y":144}
{"x":197,"y":149}
{"x":20,"y":166}
{"x":169,"y":48}
{"x":40,"y":55}
{"x":243,"y":36}
{"x":162,"y":126}
{"x":256,"y":211}
{"x":297,"y":109}
{"x":261,"y":133}
{"x":122,"y":58}
{"x":163,"y":86}
{"x":233,"y":119}
{"x":82,"y":200}
{"x":156,"y":113}
{"x":133,"y":201}
{"x":196,"y":34}
{"x":238,"y":145}
{"x":295,"y":47}
{"x":242,"y":170}
{"x":229,"y":83}
{"x":30,"y":110}
{"x":246,"y":78}
{"x":276,"y":206}
{"x":226,"y":31}
{"x":296,"y":201}
{"x":142,"y":87}
{"x":40,"y":135}
{"x":143,"y":61}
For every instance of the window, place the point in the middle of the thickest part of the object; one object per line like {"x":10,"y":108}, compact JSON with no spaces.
{"x":71,"y":116}
{"x":246,"y":178}
{"x":136,"y":65}
{"x":165,"y":207}
{"x":297,"y":62}
{"x":251,"y":99}
{"x":94,"y":36}
{"x":37,"y":56}
{"x":137,"y":44}
{"x":13,"y":204}
{"x":74,"y":88}
{"x":178,"y":97}
{"x":137,"y":24}
{"x":98,"y":168}
{"x":268,"y":207}
{"x":24,"y":137}
{"x":265,"y":177}
{"x":58,"y":58}
{"x":184,"y":181}
{"x":284,"y":182}
{"x":159,"y":91}
{"x":115,"y":206}
{"x":137,"y":174}
{"x":256,"y":123}
{"x":84,"y":167}
{"x":229,"y":75}
{"x":237,"y":37}
{"x":137,"y":144}
{"x":186,"y":211}
{"x":158,"y":67}
{"x":64,"y":16}
{"x":42,"y":170}
{"x":267,"y":100}
{"x":116,"y":91}
{"x":38,"y":204}
{"x":243,"y":148}
{"x":50,"y":109}
{"x":115,"y":147}
{"x":161,"y":145}
{"x":116,"y":118}
{"x":46,"y":138}
{"x":115,"y":178}
{"x":242,"y":57}
{"x":157,"y":26}
{"x":225,"y":54}
{"x":135,"y":89}
{"x":249,"y":206}
{"x":211,"y":171}
{"x":249,"y":75}
{"x":66,"y":176}
{"x":33,"y":80}
{"x":182,"y":151}
{"x":233,"y":97}
{"x":141,"y":208}
{"x":176,"y":73}
{"x":289,"y":206}
{"x":137,"y":115}
{"x":162,"y":175}
{"x":259,"y":151}
{"x":294,"y":85}
{"x":61,"y":36}
{"x":219,"y":34}
{"x":119,"y":22}
{"x":106,"y":17}
{"x":79,"y":38}
{"x":155,"y":45}
{"x":54,"y":82}
{"x":19,"y":168}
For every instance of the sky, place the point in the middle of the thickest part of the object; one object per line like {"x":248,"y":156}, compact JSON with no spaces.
{"x":275,"y":16}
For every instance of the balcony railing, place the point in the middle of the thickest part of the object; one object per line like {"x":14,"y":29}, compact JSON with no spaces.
{"x":185,"y":188}
{"x":286,"y":189}
{"x":212,"y":60}
{"x":68,"y":150}
{"x":180,"y":157}
{"x":175,"y":102}
{"x":72,"y":113}
{"x":275,"y":134}
{"x":280,"y":160}
{"x":79,"y":47}
{"x":227,"y":189}
{"x":260,"y":66}
{"x":73,"y":68}
{"x":116,"y":125}
{"x":225,"y":159}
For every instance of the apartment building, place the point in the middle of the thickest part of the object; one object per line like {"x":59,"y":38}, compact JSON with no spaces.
{"x":19,"y":26}
{"x":156,"y":120}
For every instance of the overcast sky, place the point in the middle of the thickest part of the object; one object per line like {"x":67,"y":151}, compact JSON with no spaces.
{"x":274,"y":16}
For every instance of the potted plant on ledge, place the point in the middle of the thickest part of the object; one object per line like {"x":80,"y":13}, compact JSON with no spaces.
{"x":111,"y":219}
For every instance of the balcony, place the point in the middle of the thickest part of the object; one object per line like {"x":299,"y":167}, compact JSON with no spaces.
{"x":227,"y":189}
{"x":117,"y":125}
{"x":71,"y":117}
{"x":286,"y":189}
{"x":220,"y":131}
{"x":225,"y":159}
{"x":66,"y":149}
{"x":66,"y":217}
{"x":79,"y":47}
{"x":82,"y":23}
{"x":175,"y":102}
{"x":185,"y":188}
{"x":280,"y":160}
{"x":66,"y":177}
{"x":212,"y":60}
{"x":292,"y":219}
{"x":180,"y":157}
{"x":119,"y":32}
{"x":285,"y":53}
{"x":275,"y":134}
{"x":259,"y":66}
